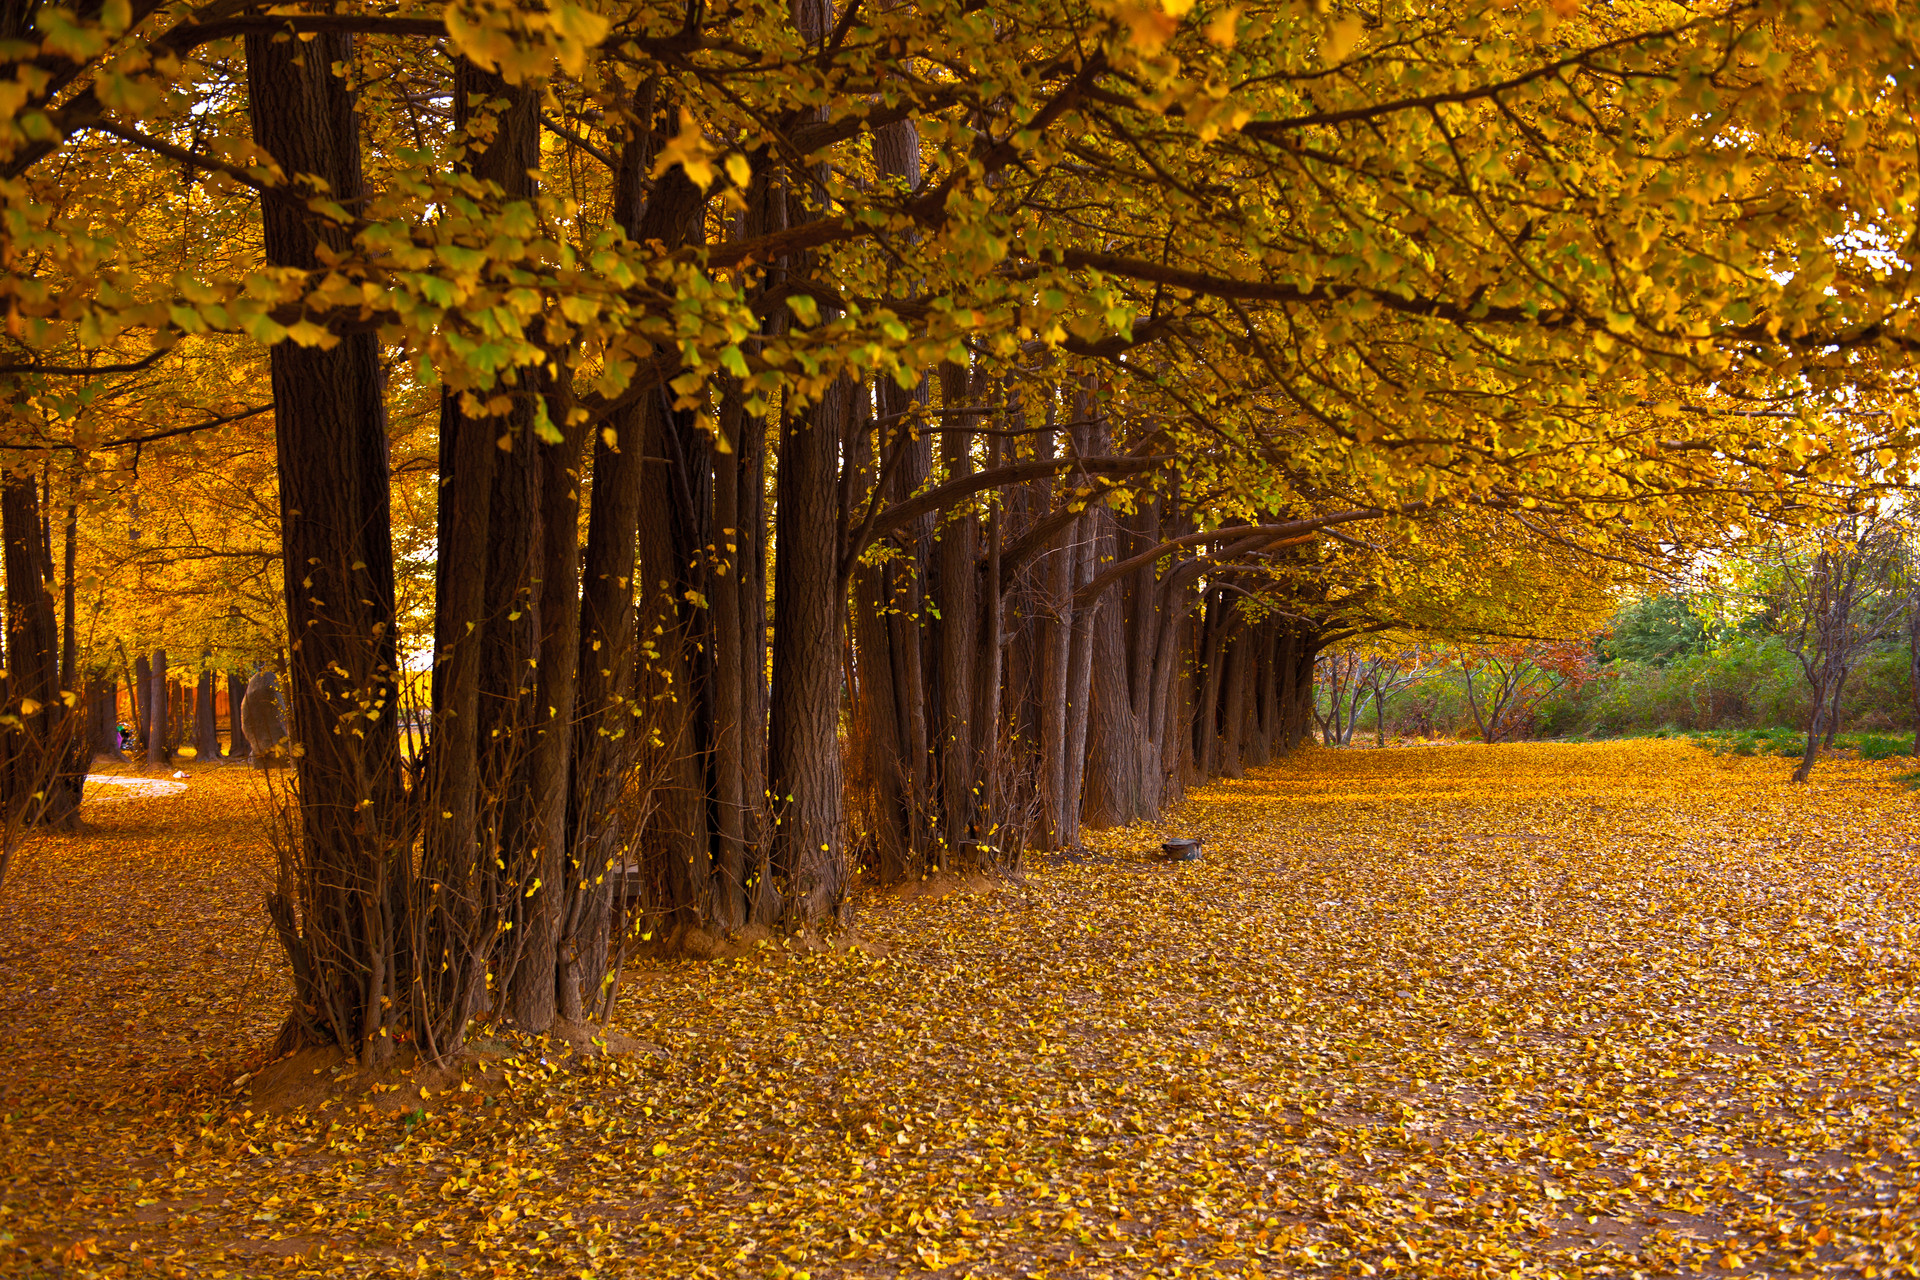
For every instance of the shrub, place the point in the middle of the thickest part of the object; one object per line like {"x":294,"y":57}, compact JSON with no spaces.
{"x":1874,"y":747}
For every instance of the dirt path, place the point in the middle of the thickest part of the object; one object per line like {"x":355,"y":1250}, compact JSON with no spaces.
{"x":1452,"y":1011}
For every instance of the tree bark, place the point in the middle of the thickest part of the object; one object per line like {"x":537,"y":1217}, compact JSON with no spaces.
{"x":159,"y":728}
{"x":238,"y":747}
{"x":140,"y":700}
{"x":45,"y":757}
{"x":206,"y":729}
{"x":69,"y":635}
{"x":731,"y":693}
{"x":335,"y":910}
{"x":1234,"y":710}
{"x":103,"y":707}
{"x":958,"y":630}
{"x":803,"y":738}
{"x":1913,"y":666}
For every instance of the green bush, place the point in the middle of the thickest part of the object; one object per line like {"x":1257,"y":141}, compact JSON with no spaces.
{"x":1747,"y":684}
{"x":1875,"y":747}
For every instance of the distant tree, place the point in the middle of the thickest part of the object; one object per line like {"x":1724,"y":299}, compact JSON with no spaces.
{"x":1655,"y":631}
{"x":1844,"y":592}
{"x":1344,"y":681}
{"x":1389,"y":674}
{"x":1506,"y":683}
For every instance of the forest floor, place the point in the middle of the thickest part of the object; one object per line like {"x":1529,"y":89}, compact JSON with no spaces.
{"x":1453,"y":1011}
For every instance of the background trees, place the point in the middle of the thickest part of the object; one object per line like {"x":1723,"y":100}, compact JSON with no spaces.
{"x":1035,"y":392}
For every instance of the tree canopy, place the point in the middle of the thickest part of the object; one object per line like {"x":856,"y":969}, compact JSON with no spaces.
{"x":1033,"y":390}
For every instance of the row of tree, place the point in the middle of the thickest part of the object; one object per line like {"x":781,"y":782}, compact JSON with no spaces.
{"x":798,"y":437}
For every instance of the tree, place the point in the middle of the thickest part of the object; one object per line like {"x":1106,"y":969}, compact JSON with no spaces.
{"x":1844,"y":592}
{"x":1347,"y":676}
{"x":1098,"y":398}
{"x":1506,"y":683}
{"x":1390,"y":673}
{"x":1656,"y":630}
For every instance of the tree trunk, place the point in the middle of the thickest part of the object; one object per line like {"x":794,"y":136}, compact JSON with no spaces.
{"x":877,"y":704}
{"x":673,"y":679}
{"x":1256,"y":748}
{"x":1913,"y":666}
{"x":958,"y":599}
{"x":206,"y":729}
{"x":610,"y":725}
{"x":179,"y":713}
{"x":1816,"y":727}
{"x":237,"y":746}
{"x":731,"y":694}
{"x":140,"y":699}
{"x":533,"y":999}
{"x":1079,"y":683}
{"x":335,"y":908}
{"x":1234,"y":710}
{"x":1206,"y":745}
{"x":159,"y":737}
{"x":1833,"y":713}
{"x":803,"y":737}
{"x":103,"y":713}
{"x":989,"y":666}
{"x":45,"y":758}
{"x":69,"y":635}
{"x":1123,"y":745}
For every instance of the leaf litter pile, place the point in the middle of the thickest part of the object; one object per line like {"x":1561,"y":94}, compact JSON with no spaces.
{"x":1525,"y":1010}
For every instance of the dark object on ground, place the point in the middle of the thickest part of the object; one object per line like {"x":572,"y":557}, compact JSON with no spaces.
{"x":266,"y":728}
{"x":1182,"y":850}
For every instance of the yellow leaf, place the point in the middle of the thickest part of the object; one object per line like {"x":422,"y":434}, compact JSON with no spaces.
{"x":1342,"y":35}
{"x":306,"y":333}
{"x":688,"y":149}
{"x":1225,"y":27}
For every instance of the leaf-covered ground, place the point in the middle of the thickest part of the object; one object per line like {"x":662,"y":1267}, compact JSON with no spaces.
{"x":1534,"y":1010}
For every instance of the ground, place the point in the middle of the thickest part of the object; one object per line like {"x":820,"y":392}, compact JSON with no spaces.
{"x":1519,"y":1010}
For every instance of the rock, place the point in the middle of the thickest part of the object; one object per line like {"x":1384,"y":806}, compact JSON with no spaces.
{"x":260,"y":717}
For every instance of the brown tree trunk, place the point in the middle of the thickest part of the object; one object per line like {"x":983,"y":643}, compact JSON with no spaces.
{"x":731,"y":699}
{"x":103,"y":713}
{"x":140,"y":702}
{"x":764,"y":904}
{"x":1233,"y":711}
{"x":533,"y":999}
{"x":179,"y":712}
{"x":877,"y":705}
{"x":611,"y":726}
{"x":1116,"y":792}
{"x":237,"y":746}
{"x":69,"y":635}
{"x":159,"y":723}
{"x":1079,"y":688}
{"x":672,"y":679}
{"x":206,"y":729}
{"x":45,"y":757}
{"x":1257,"y":746}
{"x":957,"y":597}
{"x":1055,"y":631}
{"x":335,"y":908}
{"x":1913,"y":667}
{"x":803,"y":737}
{"x":1206,"y":742}
{"x":989,"y":665}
